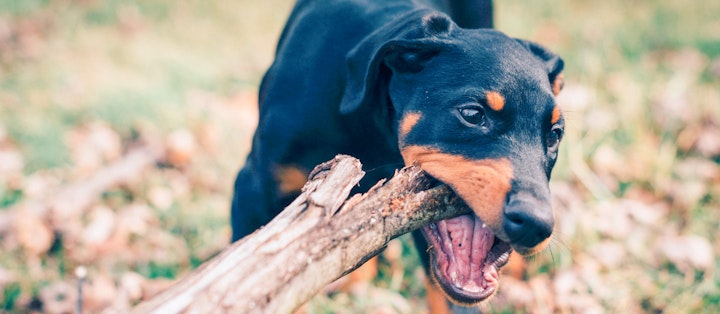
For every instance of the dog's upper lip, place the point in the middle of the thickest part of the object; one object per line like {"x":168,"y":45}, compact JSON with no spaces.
{"x":466,"y":257}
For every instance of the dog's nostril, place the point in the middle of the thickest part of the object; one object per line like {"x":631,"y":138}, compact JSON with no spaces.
{"x":525,"y":229}
{"x":516,"y":219}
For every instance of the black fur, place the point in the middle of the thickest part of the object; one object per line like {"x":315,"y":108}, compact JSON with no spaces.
{"x":346,"y":72}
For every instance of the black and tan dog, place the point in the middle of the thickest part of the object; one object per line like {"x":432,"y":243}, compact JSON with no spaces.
{"x":392,"y":82}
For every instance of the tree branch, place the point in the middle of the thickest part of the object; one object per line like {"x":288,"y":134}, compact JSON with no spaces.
{"x":311,"y":243}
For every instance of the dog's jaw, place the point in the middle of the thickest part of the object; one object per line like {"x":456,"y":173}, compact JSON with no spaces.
{"x":467,"y":251}
{"x":465,"y":258}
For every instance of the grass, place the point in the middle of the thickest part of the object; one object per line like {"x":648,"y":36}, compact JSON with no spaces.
{"x":636,"y":189}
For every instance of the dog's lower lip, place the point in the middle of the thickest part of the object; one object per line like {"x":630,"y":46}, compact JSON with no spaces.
{"x":462,"y":275}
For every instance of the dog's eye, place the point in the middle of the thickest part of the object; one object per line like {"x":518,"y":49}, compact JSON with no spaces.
{"x":472,"y":115}
{"x":553,"y":140}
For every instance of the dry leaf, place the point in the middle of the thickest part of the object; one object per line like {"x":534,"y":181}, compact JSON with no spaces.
{"x":708,"y":141}
{"x":6,"y":277}
{"x":132,"y":284}
{"x":687,"y":194}
{"x":648,"y":215}
{"x":610,"y":219}
{"x":39,"y":185}
{"x":11,"y":162}
{"x":393,"y":251}
{"x":575,"y":98}
{"x":93,"y":145}
{"x":136,"y":219}
{"x":58,"y":297}
{"x":180,"y":147}
{"x":687,"y":252}
{"x":160,"y":197}
{"x":7,"y":219}
{"x":543,"y":294}
{"x":99,"y":293}
{"x":697,"y":168}
{"x":601,"y":120}
{"x":566,"y":283}
{"x":100,"y":226}
{"x":33,"y":233}
{"x":609,"y":254}
{"x":514,"y":292}
{"x":715,"y":68}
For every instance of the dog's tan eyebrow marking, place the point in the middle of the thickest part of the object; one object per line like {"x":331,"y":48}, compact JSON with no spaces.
{"x":555,"y":115}
{"x":408,"y":122}
{"x":495,"y":100}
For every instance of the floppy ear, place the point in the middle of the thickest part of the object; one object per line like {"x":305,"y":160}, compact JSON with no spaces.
{"x":553,"y":63}
{"x":402,"y":46}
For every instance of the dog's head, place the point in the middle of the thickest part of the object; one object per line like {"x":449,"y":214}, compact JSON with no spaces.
{"x":476,"y":109}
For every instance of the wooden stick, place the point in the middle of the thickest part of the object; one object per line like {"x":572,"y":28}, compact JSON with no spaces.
{"x":314,"y":241}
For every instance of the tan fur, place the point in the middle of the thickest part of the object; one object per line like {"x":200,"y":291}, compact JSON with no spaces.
{"x":555,"y":114}
{"x":290,"y":179}
{"x":516,"y":266}
{"x":534,"y":250}
{"x":482,"y":184}
{"x":408,"y":122}
{"x":436,"y":298}
{"x":495,"y":100}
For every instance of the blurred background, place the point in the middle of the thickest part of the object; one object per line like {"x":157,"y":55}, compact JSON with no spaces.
{"x":123,"y":123}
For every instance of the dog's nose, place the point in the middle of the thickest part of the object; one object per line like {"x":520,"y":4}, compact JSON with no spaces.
{"x":528,"y":222}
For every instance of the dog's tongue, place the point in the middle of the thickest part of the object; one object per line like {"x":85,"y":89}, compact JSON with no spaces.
{"x":468,"y":241}
{"x":467,"y":256}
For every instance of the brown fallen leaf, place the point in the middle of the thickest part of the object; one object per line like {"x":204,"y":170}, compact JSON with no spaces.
{"x":514,"y":293}
{"x":609,"y":254}
{"x":708,"y":141}
{"x":132,"y":284}
{"x":11,"y":163}
{"x":99,"y":293}
{"x":59,"y":297}
{"x":687,"y":252}
{"x":92,"y":145}
{"x":101,"y":225}
{"x":160,"y":197}
{"x":180,"y":147}
{"x":32,"y":231}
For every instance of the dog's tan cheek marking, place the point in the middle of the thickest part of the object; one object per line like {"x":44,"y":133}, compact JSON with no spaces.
{"x":558,"y":83}
{"x":495,"y":100}
{"x":555,"y":115}
{"x":290,"y":179}
{"x":436,"y":298}
{"x":482,"y":184}
{"x":407,"y":123}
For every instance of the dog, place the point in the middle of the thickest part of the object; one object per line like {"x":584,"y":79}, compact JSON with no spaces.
{"x":393,"y":82}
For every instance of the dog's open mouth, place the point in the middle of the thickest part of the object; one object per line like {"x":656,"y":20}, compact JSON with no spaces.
{"x":466,"y":257}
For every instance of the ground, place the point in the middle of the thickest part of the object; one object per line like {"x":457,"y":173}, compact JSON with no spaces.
{"x":123,"y":123}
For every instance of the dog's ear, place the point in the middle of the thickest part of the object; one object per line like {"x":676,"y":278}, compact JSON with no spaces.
{"x":553,"y":63}
{"x":403,"y":46}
